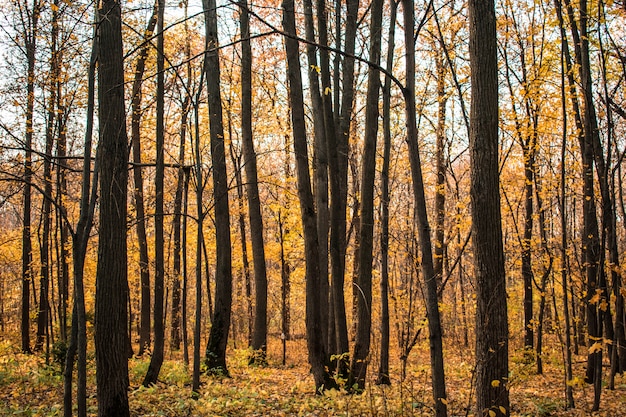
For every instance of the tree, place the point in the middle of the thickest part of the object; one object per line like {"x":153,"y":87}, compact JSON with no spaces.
{"x":218,"y":337}
{"x":383,"y":367}
{"x":363,"y":300}
{"x":259,"y":336}
{"x":159,"y":245}
{"x":317,"y":352}
{"x":111,"y":315}
{"x":142,"y":239}
{"x":30,"y":28}
{"x":428,"y":269}
{"x":492,"y":367}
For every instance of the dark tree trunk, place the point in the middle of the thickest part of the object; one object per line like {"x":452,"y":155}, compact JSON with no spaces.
{"x":80,"y":238}
{"x":338,"y":177}
{"x":195,"y":384}
{"x":383,"y":366}
{"x":259,"y":337}
{"x":285,"y":290}
{"x":363,"y":300}
{"x":430,"y":279}
{"x":218,"y":337}
{"x":317,"y":352}
{"x":320,"y":162}
{"x":440,"y":191}
{"x":159,"y":245}
{"x":30,"y":31}
{"x":142,"y":239}
{"x":43,"y":314}
{"x":569,"y":392}
{"x":111,"y":316}
{"x":175,"y":333}
{"x":492,"y":367}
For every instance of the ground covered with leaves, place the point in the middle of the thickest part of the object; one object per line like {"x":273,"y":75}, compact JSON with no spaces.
{"x":31,"y":387}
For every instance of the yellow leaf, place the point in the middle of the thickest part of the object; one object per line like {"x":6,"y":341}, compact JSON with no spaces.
{"x":495,"y":383}
{"x":327,"y":91}
{"x":502,"y":410}
{"x":54,"y":7}
{"x":596,"y":347}
{"x":492,"y":413}
{"x":443,"y":401}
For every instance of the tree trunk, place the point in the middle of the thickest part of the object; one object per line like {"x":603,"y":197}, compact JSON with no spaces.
{"x":338,"y":177}
{"x":492,"y":367}
{"x":363,"y":300}
{"x":259,"y":337}
{"x":111,"y":333}
{"x":320,"y":164}
{"x":142,"y":239}
{"x":80,"y":238}
{"x":569,"y":391}
{"x":383,"y":367}
{"x":317,"y":352}
{"x":159,"y":245}
{"x":30,"y":31}
{"x":430,"y":279}
{"x":218,"y":337}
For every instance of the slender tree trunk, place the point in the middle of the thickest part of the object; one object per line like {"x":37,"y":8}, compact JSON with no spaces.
{"x":320,"y":160}
{"x":363,"y":300}
{"x":569,"y":391}
{"x":43,"y":314}
{"x":218,"y":337}
{"x":142,"y":239}
{"x":159,"y":245}
{"x":285,"y":290}
{"x":440,"y":196}
{"x":30,"y":29}
{"x":80,"y":238}
{"x":547,"y":273}
{"x":492,"y":367}
{"x":317,"y":352}
{"x":195,"y":384}
{"x":338,"y":176}
{"x":383,"y":367}
{"x":175,"y":333}
{"x":111,"y":333}
{"x":185,"y":276}
{"x":259,"y":337}
{"x":430,"y":278}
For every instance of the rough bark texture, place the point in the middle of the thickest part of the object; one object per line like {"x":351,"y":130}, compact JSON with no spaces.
{"x":111,"y":315}
{"x":491,"y":311}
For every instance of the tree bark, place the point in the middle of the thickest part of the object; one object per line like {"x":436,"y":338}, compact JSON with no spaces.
{"x":111,"y":333}
{"x":492,"y":366}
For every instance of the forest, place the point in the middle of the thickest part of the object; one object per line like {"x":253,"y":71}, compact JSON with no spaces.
{"x":313,"y":208}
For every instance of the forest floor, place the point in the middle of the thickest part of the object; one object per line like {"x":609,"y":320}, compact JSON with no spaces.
{"x":30,"y":387}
